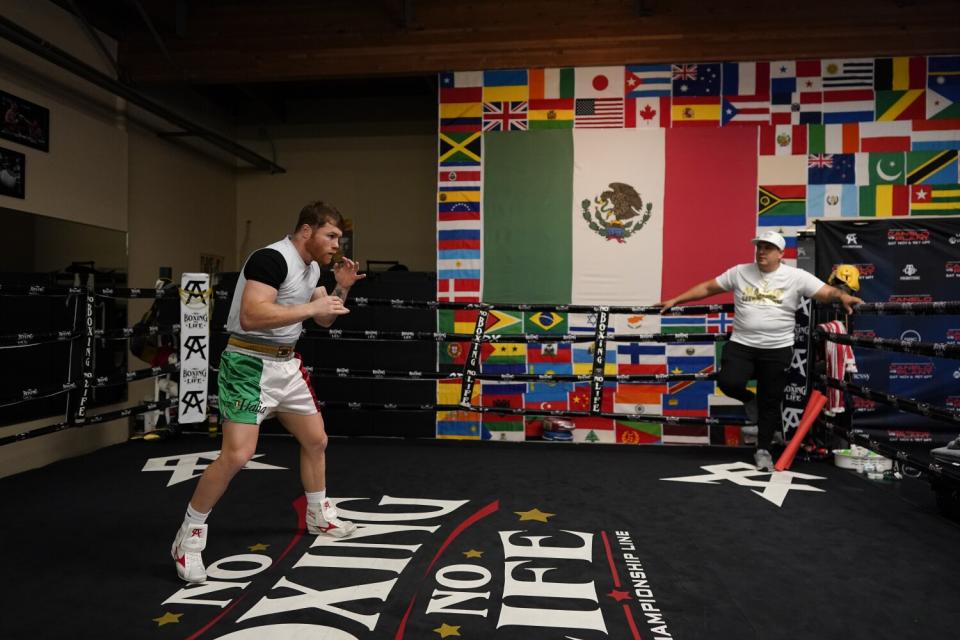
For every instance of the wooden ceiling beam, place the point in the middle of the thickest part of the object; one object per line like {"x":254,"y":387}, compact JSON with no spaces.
{"x":234,"y":41}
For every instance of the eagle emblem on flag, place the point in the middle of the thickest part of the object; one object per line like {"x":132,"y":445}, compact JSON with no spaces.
{"x":615,"y":212}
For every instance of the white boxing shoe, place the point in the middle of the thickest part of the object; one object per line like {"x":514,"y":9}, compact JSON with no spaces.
{"x":764,"y":460}
{"x":190,"y":541}
{"x":322,"y":519}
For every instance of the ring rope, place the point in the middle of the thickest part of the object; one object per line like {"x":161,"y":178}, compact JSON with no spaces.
{"x":135,"y":292}
{"x":937,"y":349}
{"x":103,"y":292}
{"x":879,"y":308}
{"x":386,"y":374}
{"x":434,"y":336}
{"x":90,"y":420}
{"x":138,"y":330}
{"x":53,"y":291}
{"x":29,"y":339}
{"x":360,"y":301}
{"x":24,"y":339}
{"x":564,"y":308}
{"x":909,"y":405}
{"x":909,"y":308}
{"x":25,"y":395}
{"x":629,"y":417}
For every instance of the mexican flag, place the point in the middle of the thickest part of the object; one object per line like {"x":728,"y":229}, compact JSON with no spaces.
{"x":614,"y":216}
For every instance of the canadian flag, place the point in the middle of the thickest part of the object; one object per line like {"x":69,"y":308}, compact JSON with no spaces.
{"x":647,"y":112}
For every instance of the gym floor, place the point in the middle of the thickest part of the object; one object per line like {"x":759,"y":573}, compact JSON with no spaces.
{"x":478,"y":540}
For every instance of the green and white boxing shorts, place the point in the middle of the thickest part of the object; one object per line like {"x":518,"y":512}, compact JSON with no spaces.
{"x":253,"y":389}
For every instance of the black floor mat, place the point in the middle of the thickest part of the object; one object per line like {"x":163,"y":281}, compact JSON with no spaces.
{"x":477,"y":540}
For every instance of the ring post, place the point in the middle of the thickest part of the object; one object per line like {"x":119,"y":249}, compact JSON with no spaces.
{"x":813,"y":409}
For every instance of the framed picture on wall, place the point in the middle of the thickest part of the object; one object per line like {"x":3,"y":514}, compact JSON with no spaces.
{"x":13,"y":174}
{"x":24,"y":122}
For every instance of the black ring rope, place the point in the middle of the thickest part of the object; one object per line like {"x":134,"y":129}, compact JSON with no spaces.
{"x":150,"y":293}
{"x":24,"y":339}
{"x":950,"y":307}
{"x":56,"y":291}
{"x":936,"y":349}
{"x":596,"y":378}
{"x":27,"y":339}
{"x":89,"y":420}
{"x":654,"y":378}
{"x":932,"y":469}
{"x":433,"y":336}
{"x":908,"y":405}
{"x":104,"y":292}
{"x":360,"y":301}
{"x":87,"y":382}
{"x":138,"y":330}
{"x":564,"y":308}
{"x":26,"y":395}
{"x":630,"y":417}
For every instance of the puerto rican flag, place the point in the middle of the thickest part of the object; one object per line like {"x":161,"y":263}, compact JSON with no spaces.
{"x":746,"y":92}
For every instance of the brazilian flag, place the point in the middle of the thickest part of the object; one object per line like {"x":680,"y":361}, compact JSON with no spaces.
{"x":545,"y":323}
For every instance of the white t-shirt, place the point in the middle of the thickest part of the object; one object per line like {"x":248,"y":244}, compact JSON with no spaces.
{"x":766,"y":303}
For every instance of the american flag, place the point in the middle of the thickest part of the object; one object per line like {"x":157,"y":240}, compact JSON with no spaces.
{"x":598,"y":112}
{"x":820,"y":161}
{"x":504,"y":116}
{"x":684,"y":72}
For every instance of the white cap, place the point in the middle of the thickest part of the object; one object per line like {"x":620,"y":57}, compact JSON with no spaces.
{"x":772,"y":237}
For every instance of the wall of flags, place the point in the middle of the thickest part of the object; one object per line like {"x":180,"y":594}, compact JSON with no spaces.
{"x":728,"y":149}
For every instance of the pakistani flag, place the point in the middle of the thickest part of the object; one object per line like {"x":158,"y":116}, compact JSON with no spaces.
{"x":570,"y":215}
{"x":881,"y":168}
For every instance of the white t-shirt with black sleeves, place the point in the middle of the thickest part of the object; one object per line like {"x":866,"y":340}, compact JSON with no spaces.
{"x":280,"y":266}
{"x":766,"y":303}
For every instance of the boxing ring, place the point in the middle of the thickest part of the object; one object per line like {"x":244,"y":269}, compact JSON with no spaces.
{"x":494,"y":539}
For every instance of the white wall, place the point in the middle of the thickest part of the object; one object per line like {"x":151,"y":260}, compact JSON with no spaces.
{"x":105,"y":171}
{"x":84,"y":175}
{"x":385,"y":184}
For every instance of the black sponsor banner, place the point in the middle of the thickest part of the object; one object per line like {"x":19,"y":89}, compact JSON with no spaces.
{"x":599,"y":360}
{"x":472,"y":366}
{"x":900,"y":260}
{"x":798,"y":379}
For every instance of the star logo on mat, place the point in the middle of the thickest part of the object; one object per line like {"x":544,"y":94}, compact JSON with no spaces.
{"x":168,"y":618}
{"x":774,"y":489}
{"x":473,"y":553}
{"x":258,"y":547}
{"x":619,"y":596}
{"x":184,"y":467}
{"x":445,"y":630}
{"x":534,"y":514}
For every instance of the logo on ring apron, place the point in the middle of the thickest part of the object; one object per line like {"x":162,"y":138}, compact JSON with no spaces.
{"x":495,"y":569}
{"x":616,"y":212}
